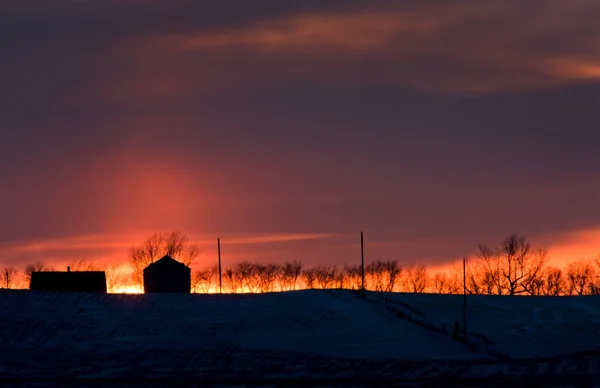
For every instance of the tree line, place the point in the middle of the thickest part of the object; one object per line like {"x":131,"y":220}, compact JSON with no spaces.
{"x":513,"y":267}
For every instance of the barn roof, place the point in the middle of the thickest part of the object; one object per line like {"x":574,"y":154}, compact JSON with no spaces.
{"x":70,"y":281}
{"x":167,"y":262}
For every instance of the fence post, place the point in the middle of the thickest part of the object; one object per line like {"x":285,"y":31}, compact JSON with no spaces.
{"x":362,"y":262}
{"x":465,"y":297}
{"x":219,"y":254}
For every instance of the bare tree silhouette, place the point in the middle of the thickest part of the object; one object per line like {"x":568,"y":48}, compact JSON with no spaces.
{"x":513,"y":267}
{"x":555,"y":283}
{"x":266,"y":276}
{"x":290,"y":274}
{"x":474,"y":270}
{"x":393,"y":271}
{"x":9,"y":275}
{"x":309,"y":276}
{"x":580,"y":276}
{"x":175,"y":244}
{"x":113,"y":276}
{"x":36,"y":267}
{"x":416,"y":277}
{"x":245,"y":274}
{"x":374,"y":275}
{"x":84,"y":265}
{"x":325,"y":276}
{"x":352,"y":276}
{"x":490,"y":273}
{"x":202,"y":280}
{"x":442,"y":283}
{"x":231,"y":280}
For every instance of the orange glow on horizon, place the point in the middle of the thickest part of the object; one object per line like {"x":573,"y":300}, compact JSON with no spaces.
{"x":125,"y":289}
{"x":577,"y":245}
{"x":108,"y":253}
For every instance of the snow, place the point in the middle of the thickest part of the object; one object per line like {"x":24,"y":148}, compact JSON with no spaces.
{"x":315,"y":334}
{"x":516,"y":325}
{"x":329,"y":323}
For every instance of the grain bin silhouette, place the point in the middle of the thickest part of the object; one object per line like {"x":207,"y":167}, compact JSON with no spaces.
{"x":167,"y":275}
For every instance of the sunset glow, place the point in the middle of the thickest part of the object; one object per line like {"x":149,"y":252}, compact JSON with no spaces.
{"x":127,"y":290}
{"x":285,"y":129}
{"x":278,"y":193}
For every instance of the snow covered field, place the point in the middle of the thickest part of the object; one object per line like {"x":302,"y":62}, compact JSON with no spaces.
{"x":319,"y":337}
{"x":518,"y":326}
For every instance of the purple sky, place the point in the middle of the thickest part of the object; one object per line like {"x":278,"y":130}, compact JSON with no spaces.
{"x":432,"y":125}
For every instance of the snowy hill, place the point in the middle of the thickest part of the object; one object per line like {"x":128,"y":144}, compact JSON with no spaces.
{"x":540,"y":326}
{"x":329,"y":335}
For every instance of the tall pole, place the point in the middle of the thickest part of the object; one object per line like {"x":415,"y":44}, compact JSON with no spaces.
{"x":465,"y":297}
{"x":220,"y":278}
{"x":362,"y":261}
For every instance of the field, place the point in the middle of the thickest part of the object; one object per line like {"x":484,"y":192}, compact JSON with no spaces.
{"x":312,"y":337}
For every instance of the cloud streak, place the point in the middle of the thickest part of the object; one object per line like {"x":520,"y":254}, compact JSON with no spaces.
{"x":104,"y":248}
{"x":277,"y":238}
{"x":432,"y":47}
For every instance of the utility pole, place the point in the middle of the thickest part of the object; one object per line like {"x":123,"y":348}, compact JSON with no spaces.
{"x":465,"y":297}
{"x":219,"y":253}
{"x":362,"y":262}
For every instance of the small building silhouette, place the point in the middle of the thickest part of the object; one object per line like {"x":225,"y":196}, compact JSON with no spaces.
{"x":69,"y":281}
{"x":167,"y":275}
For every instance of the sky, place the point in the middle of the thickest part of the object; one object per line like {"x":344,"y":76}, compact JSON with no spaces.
{"x":286,"y":127}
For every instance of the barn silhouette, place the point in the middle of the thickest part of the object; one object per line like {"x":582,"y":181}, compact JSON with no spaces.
{"x":167,"y":275}
{"x":69,"y":281}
